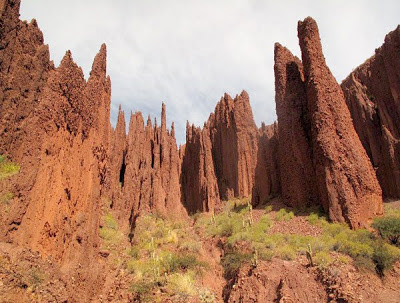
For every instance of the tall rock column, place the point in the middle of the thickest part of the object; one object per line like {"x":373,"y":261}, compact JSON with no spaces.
{"x":295,"y":154}
{"x":347,"y":183}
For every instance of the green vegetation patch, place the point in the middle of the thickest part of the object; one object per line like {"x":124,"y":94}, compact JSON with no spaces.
{"x":7,"y":168}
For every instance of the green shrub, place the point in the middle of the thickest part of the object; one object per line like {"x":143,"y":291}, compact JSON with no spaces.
{"x":7,"y":168}
{"x":388,"y":228}
{"x":384,"y":256}
{"x":232,"y":262}
{"x":182,"y":284}
{"x":322,"y":259}
{"x":313,"y":218}
{"x":284,"y":215}
{"x":286,"y":253}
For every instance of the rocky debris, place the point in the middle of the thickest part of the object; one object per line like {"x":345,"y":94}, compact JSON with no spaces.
{"x":277,"y":281}
{"x":267,"y":182}
{"x":372,"y":93}
{"x":294,"y":128}
{"x":198,"y":181}
{"x":148,"y":166}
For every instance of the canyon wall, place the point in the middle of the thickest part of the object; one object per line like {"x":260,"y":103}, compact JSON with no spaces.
{"x":372,"y":93}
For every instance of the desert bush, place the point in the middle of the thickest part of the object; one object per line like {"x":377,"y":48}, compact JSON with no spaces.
{"x":286,"y":252}
{"x":232,"y":261}
{"x":323,"y":259}
{"x":384,"y":256}
{"x":7,"y":168}
{"x":182,"y":284}
{"x":284,"y":215}
{"x":388,"y":228}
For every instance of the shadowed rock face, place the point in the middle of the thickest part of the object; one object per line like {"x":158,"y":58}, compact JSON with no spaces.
{"x":372,"y":93}
{"x":198,"y":181}
{"x":346,"y":180}
{"x":295,"y":154}
{"x":267,"y":182}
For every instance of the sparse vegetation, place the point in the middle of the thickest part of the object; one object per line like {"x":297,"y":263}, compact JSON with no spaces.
{"x":164,"y":256}
{"x":243,"y":239}
{"x":110,"y":232}
{"x":7,"y":168}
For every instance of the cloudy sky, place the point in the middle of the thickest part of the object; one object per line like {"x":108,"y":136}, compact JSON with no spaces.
{"x":187,"y":53}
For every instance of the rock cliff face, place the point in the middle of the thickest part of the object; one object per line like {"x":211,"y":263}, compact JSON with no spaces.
{"x":24,"y":69}
{"x":198,"y":181}
{"x":219,"y":161}
{"x":295,"y":154}
{"x":372,"y":93}
{"x":346,"y":180}
{"x":267,"y":182}
{"x":148,"y":169}
{"x":233,"y":135}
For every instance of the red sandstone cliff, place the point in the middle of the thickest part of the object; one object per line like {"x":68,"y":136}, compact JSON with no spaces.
{"x":295,"y":154}
{"x":267,"y":182}
{"x":148,"y":170}
{"x":233,"y":135}
{"x":347,"y":184}
{"x":24,"y":69}
{"x":198,"y":181}
{"x":372,"y":93}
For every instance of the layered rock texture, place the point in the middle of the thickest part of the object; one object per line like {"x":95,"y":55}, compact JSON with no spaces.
{"x":372,"y":93}
{"x":321,"y":157}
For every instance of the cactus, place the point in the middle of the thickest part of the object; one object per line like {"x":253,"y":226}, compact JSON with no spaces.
{"x":309,"y":254}
{"x":254,"y":261}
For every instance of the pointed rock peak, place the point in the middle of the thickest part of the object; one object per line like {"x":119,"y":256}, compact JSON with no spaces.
{"x":34,"y":23}
{"x":155,"y":122}
{"x":99,"y":66}
{"x":67,"y":63}
{"x":173,"y":129}
{"x":310,"y":42}
{"x":149,"y":121}
{"x":163,"y":117}
{"x":243,"y":97}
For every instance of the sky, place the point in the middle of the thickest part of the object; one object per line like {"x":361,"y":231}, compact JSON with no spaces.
{"x":188,"y":53}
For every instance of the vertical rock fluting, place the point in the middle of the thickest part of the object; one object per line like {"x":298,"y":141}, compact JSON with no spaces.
{"x":372,"y":93}
{"x":267,"y":183}
{"x":295,"y":155}
{"x":233,"y":134}
{"x":346,"y":180}
{"x":198,"y":181}
{"x":24,"y":69}
{"x":148,"y":164}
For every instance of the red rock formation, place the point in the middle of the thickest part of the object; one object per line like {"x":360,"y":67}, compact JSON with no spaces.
{"x":24,"y":69}
{"x":148,"y":171}
{"x":295,"y":155}
{"x":346,"y":180}
{"x":198,"y":181}
{"x":267,"y":182}
{"x":234,"y":145}
{"x":372,"y":93}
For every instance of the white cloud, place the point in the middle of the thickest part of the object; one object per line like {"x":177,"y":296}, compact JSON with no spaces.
{"x":188,"y":53}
